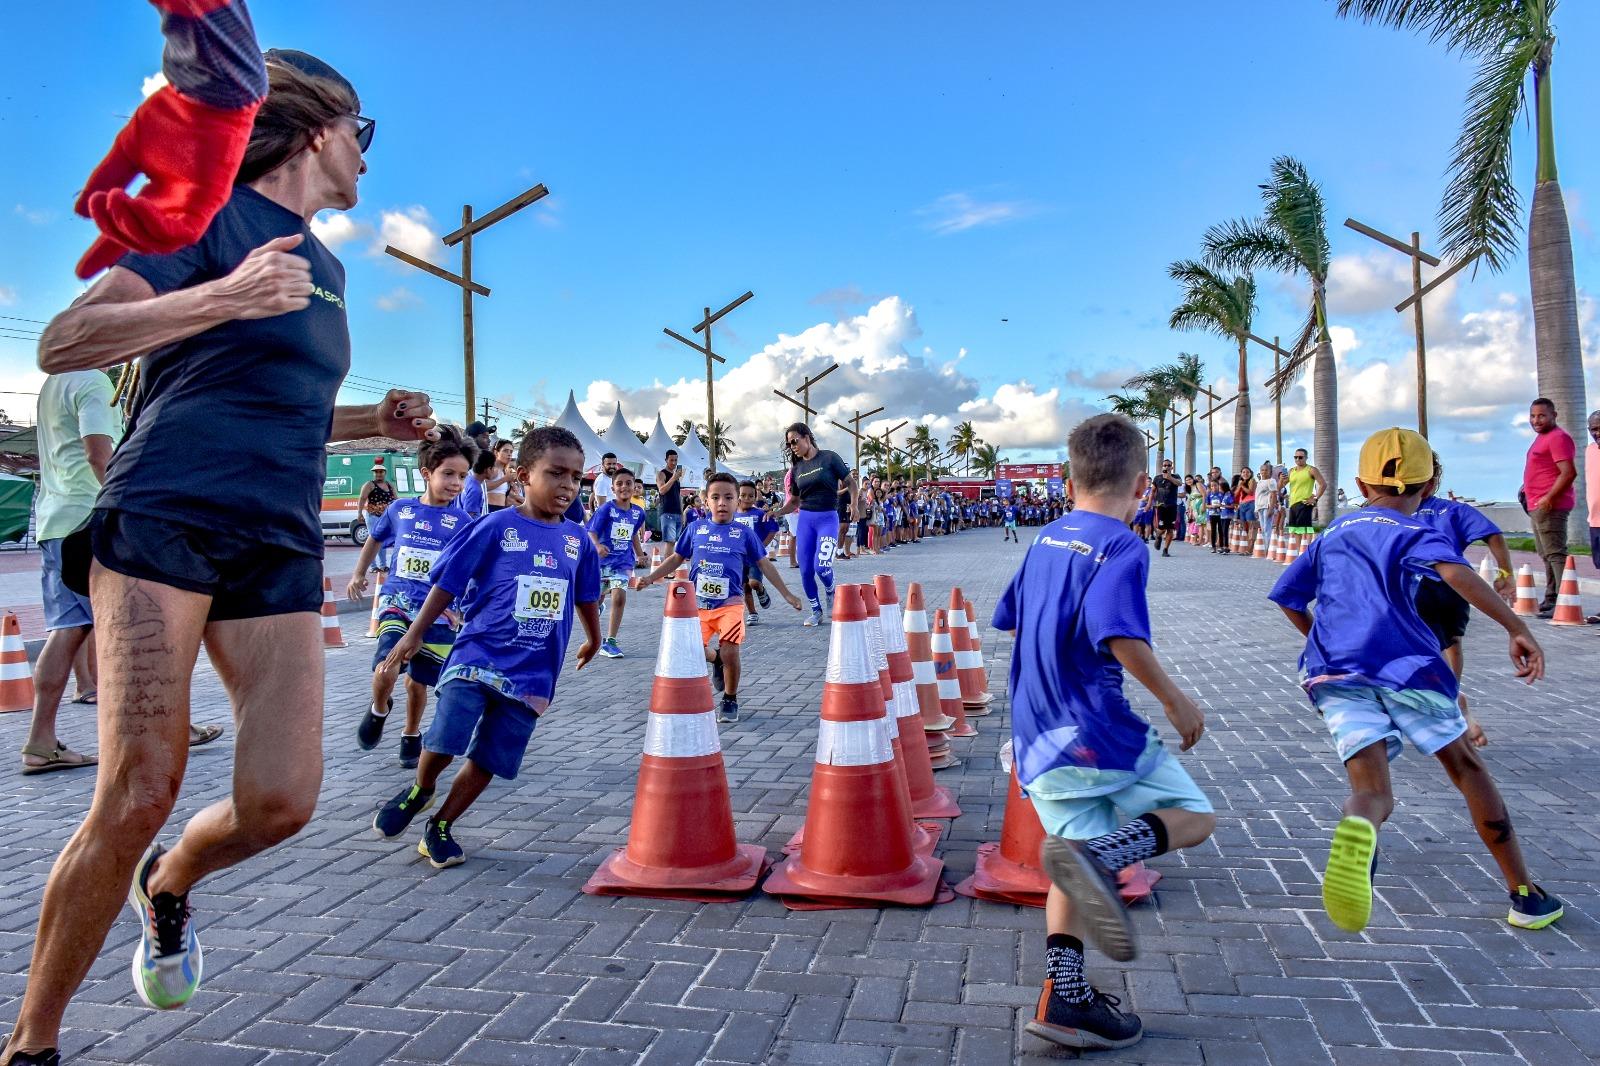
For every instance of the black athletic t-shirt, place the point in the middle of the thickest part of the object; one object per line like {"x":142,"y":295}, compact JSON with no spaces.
{"x":1166,"y":492}
{"x":672,"y":500}
{"x":229,"y":427}
{"x":816,"y":481}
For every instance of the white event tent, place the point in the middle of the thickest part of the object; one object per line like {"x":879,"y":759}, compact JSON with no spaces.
{"x":630,"y":450}
{"x":572,"y":421}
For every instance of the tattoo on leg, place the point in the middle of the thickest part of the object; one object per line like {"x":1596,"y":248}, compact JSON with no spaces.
{"x":1501,"y":826}
{"x":137,"y":645}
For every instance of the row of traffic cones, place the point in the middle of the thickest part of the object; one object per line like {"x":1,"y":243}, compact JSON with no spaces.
{"x":1569,"y":605}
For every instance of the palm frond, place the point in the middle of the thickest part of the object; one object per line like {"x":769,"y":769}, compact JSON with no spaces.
{"x":1482,"y":211}
{"x":1295,"y":208}
{"x":1300,"y":353}
{"x":1249,"y":244}
{"x":1461,"y":25}
{"x":1189,"y":373}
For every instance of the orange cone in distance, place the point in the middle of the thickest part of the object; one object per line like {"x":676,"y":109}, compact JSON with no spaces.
{"x":681,"y":844}
{"x":1569,"y":605}
{"x":16,"y":676}
{"x":919,"y":643}
{"x":1527,"y":603}
{"x":928,"y":800}
{"x":944,"y":670}
{"x":974,"y":698}
{"x":332,"y":635}
{"x":975,"y":645}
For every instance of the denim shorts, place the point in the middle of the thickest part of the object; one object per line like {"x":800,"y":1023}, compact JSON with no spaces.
{"x":1359,"y":716}
{"x":1247,"y":512}
{"x":1167,"y":784}
{"x":487,"y":726}
{"x":63,"y":608}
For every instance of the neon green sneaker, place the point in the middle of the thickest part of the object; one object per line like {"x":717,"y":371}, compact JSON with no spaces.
{"x":1347,"y":881}
{"x":1533,"y":908}
{"x":167,"y":962}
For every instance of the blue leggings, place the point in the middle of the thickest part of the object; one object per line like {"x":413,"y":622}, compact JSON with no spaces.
{"x":814,"y":546}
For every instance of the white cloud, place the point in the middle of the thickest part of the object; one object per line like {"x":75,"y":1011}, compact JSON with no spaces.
{"x":335,"y":228}
{"x":36,"y":216}
{"x":958,"y":211}
{"x":152,"y":85}
{"x":398,"y":299}
{"x":410,"y":229}
{"x":8,"y":296}
{"x":880,"y":364}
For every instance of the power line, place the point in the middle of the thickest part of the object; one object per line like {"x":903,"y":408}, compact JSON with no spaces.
{"x":14,"y":318}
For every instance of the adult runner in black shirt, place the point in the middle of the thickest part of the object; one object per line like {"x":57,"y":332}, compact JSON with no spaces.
{"x":1165,"y":491}
{"x":816,"y":479}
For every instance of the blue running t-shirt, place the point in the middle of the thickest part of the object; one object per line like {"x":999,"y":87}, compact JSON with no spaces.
{"x":419,"y":533}
{"x":1081,"y":584}
{"x":516,"y":580}
{"x":718,"y":556}
{"x":614,"y":527}
{"x":1363,"y":574}
{"x":1461,"y":523}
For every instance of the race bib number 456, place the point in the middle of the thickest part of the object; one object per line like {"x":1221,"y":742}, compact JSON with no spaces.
{"x":711,"y":586}
{"x":541,"y":597}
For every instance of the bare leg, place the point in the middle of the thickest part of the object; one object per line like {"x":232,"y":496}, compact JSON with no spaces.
{"x":1467,"y":773}
{"x":383,"y":681}
{"x":429,"y":767}
{"x":50,"y":674}
{"x":469,"y":784}
{"x":416,"y":703}
{"x":1371,"y":796}
{"x":149,"y":637}
{"x":272,"y":669}
{"x":619,"y":599}
{"x":730,"y":669}
{"x":85,"y":670}
{"x":1458,"y":663}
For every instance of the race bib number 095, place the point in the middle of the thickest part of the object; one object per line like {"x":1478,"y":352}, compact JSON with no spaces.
{"x":541,"y":597}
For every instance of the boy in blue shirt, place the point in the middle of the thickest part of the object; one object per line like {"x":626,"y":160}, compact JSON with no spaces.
{"x":1011,"y":525}
{"x":418,"y":530}
{"x":1374,"y":671}
{"x":1077,"y":607}
{"x":754,"y":519}
{"x":718,"y":551}
{"x":520,"y":574}
{"x":615,"y":529}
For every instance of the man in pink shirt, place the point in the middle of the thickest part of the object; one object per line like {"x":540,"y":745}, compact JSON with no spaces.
{"x":1547,"y":479}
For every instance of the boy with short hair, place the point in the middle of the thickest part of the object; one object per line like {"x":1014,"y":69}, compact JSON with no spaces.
{"x":1087,"y":761}
{"x":718,"y":551}
{"x":615,"y":530}
{"x":1010,"y":515}
{"x":1375,"y":672}
{"x":530,"y":571}
{"x":754,"y":518}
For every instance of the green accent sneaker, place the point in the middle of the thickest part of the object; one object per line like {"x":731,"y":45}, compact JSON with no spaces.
{"x":1533,"y":908}
{"x":167,"y":963}
{"x":394,"y":817}
{"x":1347,"y":881}
{"x":439,"y":847}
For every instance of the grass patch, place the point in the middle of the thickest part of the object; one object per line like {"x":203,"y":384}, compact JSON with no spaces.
{"x":1525,"y":544}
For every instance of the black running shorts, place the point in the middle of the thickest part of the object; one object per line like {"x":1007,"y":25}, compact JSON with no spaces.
{"x":1444,"y":611}
{"x":1167,"y":516}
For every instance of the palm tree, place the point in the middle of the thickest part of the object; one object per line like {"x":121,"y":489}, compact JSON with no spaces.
{"x":1509,"y":39}
{"x":1189,"y":373}
{"x":1291,"y":237}
{"x":1157,"y":387}
{"x":872,"y":451}
{"x":963,"y":441}
{"x":681,"y":431}
{"x":986,"y":459}
{"x":1134,"y":406}
{"x":1224,"y":306}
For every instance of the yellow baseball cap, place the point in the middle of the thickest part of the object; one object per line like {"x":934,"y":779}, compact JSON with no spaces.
{"x":1406,"y":448}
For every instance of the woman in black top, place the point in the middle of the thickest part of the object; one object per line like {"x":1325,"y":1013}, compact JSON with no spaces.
{"x":816,"y":480}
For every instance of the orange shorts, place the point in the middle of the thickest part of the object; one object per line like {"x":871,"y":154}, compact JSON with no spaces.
{"x":725,"y":622}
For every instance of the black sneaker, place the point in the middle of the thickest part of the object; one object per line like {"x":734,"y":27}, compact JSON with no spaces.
{"x":1533,"y":909}
{"x":410,"y":750}
{"x":52,"y":1057}
{"x":439,"y":847}
{"x":370,"y":731}
{"x":762,"y":597}
{"x":1097,"y":1024}
{"x":394,"y":817}
{"x":728,"y":713}
{"x":716,"y":672}
{"x":1093,"y":892}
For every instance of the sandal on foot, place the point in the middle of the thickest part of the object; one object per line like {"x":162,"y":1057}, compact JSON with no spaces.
{"x":203,"y":734}
{"x":59,"y":757}
{"x":90,"y":698}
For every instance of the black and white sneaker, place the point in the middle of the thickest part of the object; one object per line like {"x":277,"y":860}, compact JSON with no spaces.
{"x":410,"y":750}
{"x":1093,"y":892}
{"x":728,"y":712}
{"x":394,"y":817}
{"x":762,"y":597}
{"x":370,"y":731}
{"x":50,"y":1057}
{"x":1098,"y":1024}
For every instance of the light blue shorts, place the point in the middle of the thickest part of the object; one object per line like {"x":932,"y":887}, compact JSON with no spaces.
{"x":1358,"y":716}
{"x":63,"y":608}
{"x":1167,"y":784}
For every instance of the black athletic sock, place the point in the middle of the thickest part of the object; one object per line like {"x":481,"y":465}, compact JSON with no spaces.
{"x":1063,"y":968}
{"x":1143,"y":838}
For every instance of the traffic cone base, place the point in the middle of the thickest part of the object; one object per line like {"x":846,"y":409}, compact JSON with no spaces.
{"x":1000,"y":880}
{"x":1137,"y":883}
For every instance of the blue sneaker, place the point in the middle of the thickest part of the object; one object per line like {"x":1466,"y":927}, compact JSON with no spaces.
{"x":439,"y":847}
{"x":1533,"y":908}
{"x":609,"y":648}
{"x":815,"y":619}
{"x":167,"y":962}
{"x":394,"y":817}
{"x":728,"y":713}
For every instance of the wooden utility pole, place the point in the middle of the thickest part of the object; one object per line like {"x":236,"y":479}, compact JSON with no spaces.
{"x":856,"y":432}
{"x":704,"y":326}
{"x":469,"y":288}
{"x":888,"y":447}
{"x":804,"y":389}
{"x":1212,"y":407}
{"x":1414,"y":252}
{"x":1278,"y":371}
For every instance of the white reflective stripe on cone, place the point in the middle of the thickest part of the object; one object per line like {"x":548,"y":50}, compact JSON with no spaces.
{"x":905,"y":701}
{"x":681,"y":653}
{"x":330,"y":621}
{"x":922,"y":672}
{"x":681,"y":736}
{"x":13,"y":643}
{"x":850,"y":659}
{"x":916,"y":621}
{"x":15,"y":671}
{"x":853,"y":743}
{"x":1569,"y":599}
{"x":894,"y":633}
{"x":957,"y":619}
{"x":950,"y":689}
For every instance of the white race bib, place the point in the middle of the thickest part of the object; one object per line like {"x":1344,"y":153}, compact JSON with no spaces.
{"x":540,"y":597}
{"x":621,"y":533}
{"x":711,"y":586}
{"x":414,"y":563}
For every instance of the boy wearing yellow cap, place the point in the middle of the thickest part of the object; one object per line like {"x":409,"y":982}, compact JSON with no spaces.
{"x":1373,"y":669}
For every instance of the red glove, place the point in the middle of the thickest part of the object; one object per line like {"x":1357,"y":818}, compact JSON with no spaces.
{"x":189,"y":151}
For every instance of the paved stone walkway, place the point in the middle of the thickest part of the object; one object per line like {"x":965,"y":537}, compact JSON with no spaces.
{"x":344,"y":949}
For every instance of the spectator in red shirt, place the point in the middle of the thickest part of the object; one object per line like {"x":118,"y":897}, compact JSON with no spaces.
{"x":1547,"y":494}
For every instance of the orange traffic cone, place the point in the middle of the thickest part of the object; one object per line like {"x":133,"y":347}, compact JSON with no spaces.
{"x":927,"y":799}
{"x":332,"y":635}
{"x":681,"y":844}
{"x":919,"y":642}
{"x":857,"y":850}
{"x":377,"y":595}
{"x":969,"y":672}
{"x":16,"y":676}
{"x":1569,"y":607}
{"x":1527,"y":596}
{"x":1008,"y":871}
{"x":1292,"y":550}
{"x":975,"y":644}
{"x":944,"y":669}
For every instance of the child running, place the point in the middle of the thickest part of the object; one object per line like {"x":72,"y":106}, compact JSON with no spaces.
{"x":1011,"y":524}
{"x":718,"y":551}
{"x":417,"y":531}
{"x":1077,"y":607}
{"x":529,"y":570}
{"x":615,"y":529}
{"x":1374,"y":671}
{"x":754,"y":519}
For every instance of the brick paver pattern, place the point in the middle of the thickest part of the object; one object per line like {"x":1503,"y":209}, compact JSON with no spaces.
{"x":342,"y":948}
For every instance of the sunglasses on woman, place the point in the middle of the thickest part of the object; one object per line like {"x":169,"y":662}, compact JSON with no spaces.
{"x":364,"y":130}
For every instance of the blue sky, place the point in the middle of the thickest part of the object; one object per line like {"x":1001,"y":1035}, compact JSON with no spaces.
{"x":941,"y":170}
